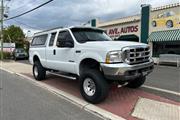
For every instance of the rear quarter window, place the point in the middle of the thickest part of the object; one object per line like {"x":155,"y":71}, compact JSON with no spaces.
{"x":39,"y":40}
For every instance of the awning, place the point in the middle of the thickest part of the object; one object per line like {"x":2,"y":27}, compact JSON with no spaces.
{"x":169,"y":35}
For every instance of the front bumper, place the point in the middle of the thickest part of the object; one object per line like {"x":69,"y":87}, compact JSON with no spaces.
{"x":126,"y":72}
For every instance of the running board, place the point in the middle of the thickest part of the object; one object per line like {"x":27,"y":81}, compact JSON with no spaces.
{"x":62,"y":75}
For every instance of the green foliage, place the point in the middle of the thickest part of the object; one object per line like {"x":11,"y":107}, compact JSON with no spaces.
{"x":6,"y":55}
{"x":14,"y":33}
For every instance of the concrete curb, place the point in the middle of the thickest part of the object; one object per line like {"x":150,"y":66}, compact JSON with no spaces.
{"x":72,"y":99}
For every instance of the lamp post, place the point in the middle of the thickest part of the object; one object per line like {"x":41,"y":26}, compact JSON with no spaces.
{"x":2,"y":17}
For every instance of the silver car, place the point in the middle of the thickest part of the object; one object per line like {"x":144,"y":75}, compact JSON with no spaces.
{"x":20,"y":53}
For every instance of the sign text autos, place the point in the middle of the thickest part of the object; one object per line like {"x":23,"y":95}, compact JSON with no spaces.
{"x":113,"y":32}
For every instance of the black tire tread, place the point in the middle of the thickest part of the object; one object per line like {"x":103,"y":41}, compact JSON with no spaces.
{"x":138,"y":82}
{"x":41,"y":71}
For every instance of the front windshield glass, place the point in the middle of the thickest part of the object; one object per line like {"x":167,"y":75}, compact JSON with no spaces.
{"x":83,"y":35}
{"x":20,"y":50}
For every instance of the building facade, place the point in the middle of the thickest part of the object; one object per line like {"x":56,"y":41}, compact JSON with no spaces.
{"x":164,"y":29}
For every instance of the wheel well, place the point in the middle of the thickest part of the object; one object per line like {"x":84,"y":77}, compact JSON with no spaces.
{"x":155,"y":23}
{"x":35,"y":58}
{"x":169,"y":21}
{"x":171,"y":52}
{"x":89,"y":63}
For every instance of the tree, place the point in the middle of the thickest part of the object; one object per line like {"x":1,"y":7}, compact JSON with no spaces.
{"x":16,"y":35}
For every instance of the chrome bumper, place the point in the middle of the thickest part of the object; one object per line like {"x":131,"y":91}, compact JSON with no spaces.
{"x":123,"y":71}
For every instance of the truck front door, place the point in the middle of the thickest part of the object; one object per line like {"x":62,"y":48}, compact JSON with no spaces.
{"x":63,"y":57}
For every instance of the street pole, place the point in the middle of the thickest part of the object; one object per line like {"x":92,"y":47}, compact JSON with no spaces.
{"x":2,"y":16}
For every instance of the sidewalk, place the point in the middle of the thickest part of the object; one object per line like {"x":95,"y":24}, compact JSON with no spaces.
{"x":122,"y":102}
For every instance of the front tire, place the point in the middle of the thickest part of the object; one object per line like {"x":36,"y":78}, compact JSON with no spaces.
{"x":39,"y":72}
{"x":136,"y":83}
{"x":93,"y":86}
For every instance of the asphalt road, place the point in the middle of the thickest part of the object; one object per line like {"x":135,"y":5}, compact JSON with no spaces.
{"x":20,"y":100}
{"x":165,"y":77}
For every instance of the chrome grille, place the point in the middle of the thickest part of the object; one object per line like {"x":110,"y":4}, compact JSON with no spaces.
{"x":137,"y":54}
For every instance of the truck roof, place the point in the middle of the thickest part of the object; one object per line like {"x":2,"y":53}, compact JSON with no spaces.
{"x":61,"y":28}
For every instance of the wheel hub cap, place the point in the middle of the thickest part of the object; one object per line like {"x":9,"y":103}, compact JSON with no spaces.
{"x":89,"y":87}
{"x":35,"y":71}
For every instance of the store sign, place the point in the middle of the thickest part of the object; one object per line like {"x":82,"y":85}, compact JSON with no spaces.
{"x":122,"y":30}
{"x":167,"y":19}
{"x":8,"y":47}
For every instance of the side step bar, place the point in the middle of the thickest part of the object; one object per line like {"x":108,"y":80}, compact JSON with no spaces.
{"x":63,"y":75}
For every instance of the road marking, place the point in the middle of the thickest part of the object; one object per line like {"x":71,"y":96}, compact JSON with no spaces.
{"x":162,"y":90}
{"x":6,"y":70}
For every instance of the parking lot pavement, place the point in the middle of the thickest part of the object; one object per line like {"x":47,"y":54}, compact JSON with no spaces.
{"x":121,"y":101}
{"x":23,"y":101}
{"x":165,"y":82}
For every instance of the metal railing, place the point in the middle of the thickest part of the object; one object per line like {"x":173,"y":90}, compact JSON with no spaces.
{"x":169,"y":58}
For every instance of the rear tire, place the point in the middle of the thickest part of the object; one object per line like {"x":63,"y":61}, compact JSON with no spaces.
{"x":93,"y":86}
{"x":169,"y":23}
{"x":154,"y":24}
{"x":136,"y":83}
{"x":15,"y":59}
{"x":39,"y":71}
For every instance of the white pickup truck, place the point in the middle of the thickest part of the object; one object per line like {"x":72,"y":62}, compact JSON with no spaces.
{"x":92,"y":57}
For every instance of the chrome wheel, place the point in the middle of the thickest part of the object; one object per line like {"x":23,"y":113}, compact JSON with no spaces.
{"x":169,"y":24}
{"x":89,"y":87}
{"x":35,"y":71}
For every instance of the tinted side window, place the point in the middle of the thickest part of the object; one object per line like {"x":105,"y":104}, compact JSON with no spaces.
{"x":53,"y":35}
{"x":64,"y":35}
{"x":39,"y":40}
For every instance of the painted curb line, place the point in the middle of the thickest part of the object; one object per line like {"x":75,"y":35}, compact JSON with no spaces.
{"x":162,"y":90}
{"x":72,"y":99}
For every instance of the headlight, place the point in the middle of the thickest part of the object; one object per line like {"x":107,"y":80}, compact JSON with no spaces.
{"x":113,"y":57}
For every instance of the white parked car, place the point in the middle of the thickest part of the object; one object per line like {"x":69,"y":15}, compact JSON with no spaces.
{"x":92,"y":57}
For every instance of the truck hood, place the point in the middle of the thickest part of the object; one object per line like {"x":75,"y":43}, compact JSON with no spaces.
{"x":110,"y":45}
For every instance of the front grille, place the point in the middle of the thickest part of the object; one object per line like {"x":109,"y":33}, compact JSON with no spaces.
{"x":135,"y":55}
{"x":21,"y":55}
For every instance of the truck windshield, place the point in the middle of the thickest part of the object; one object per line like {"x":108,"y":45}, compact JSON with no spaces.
{"x":83,"y":35}
{"x":20,"y":50}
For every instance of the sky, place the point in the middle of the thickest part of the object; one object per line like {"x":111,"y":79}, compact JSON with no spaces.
{"x":72,"y":12}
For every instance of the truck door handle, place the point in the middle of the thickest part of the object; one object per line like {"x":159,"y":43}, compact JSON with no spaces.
{"x":54,"y":52}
